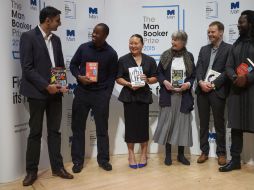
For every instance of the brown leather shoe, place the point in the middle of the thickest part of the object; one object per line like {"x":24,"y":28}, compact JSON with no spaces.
{"x":62,"y":173}
{"x":29,"y":179}
{"x":202,"y":158}
{"x":222,"y":160}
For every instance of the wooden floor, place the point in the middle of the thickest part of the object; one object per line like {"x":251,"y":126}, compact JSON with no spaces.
{"x":156,"y":176}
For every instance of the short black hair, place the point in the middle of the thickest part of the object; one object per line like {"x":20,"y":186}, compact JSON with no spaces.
{"x":218,"y":24}
{"x":138,"y":36}
{"x":106,"y":28}
{"x":48,"y":12}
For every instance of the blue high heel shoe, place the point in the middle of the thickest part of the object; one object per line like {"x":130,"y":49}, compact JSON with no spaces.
{"x":142,"y":165}
{"x":133,"y":166}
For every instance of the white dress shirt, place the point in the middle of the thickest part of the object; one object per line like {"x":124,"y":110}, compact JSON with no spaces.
{"x":49,"y":46}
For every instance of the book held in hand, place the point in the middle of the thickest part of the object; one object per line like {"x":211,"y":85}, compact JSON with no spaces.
{"x":92,"y":71}
{"x":177,"y":78}
{"x":134,"y":73}
{"x":245,"y":67}
{"x":58,"y":76}
{"x":211,"y":75}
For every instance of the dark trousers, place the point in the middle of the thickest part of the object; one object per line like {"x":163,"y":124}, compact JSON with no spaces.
{"x":237,"y":144}
{"x":98,"y":102}
{"x":206,"y":101}
{"x":53,"y":108}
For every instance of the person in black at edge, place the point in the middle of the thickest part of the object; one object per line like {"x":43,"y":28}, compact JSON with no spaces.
{"x":93,"y":96}
{"x":240,"y":101}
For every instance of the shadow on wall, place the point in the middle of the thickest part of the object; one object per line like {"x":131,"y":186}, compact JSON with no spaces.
{"x":153,"y":120}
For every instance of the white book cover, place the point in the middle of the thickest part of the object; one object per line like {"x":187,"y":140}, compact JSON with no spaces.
{"x":251,"y":62}
{"x":134,"y":73}
{"x":211,"y":75}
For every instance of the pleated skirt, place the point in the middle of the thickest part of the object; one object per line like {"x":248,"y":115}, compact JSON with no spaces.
{"x":173,"y":126}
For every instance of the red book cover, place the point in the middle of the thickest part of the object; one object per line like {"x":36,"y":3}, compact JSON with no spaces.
{"x":92,"y":71}
{"x":242,"y":69}
{"x":245,"y":67}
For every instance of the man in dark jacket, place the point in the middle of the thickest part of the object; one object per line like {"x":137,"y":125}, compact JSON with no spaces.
{"x":93,"y":95}
{"x":240,"y":101}
{"x":212,"y":94}
{"x":40,"y":50}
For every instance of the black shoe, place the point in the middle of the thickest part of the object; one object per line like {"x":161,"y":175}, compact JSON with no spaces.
{"x":62,"y":173}
{"x":232,"y":165}
{"x":76,"y":168}
{"x":29,"y":179}
{"x":181,"y":158}
{"x":168,"y":161}
{"x":106,"y":166}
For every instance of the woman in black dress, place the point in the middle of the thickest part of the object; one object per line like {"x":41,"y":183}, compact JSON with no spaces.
{"x":136,"y":99}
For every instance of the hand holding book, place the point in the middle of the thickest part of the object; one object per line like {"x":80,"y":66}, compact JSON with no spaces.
{"x":53,"y":88}
{"x":241,"y":80}
{"x":84,"y":80}
{"x":242,"y":70}
{"x":143,"y":77}
{"x":205,"y":86}
{"x":185,"y":86}
{"x":168,"y":85}
{"x":64,"y":89}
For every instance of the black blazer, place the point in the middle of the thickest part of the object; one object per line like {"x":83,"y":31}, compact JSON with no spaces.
{"x":36,"y":64}
{"x":143,"y":94}
{"x":219,"y":65}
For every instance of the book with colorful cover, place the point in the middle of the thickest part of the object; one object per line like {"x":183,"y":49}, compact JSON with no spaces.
{"x":134,"y":73}
{"x":177,"y":78}
{"x":211,"y":75}
{"x":58,"y":76}
{"x":92,"y":71}
{"x":245,"y":67}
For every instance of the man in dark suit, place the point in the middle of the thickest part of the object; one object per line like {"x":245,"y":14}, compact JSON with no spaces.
{"x":212,"y":94}
{"x":91,"y":95}
{"x":40,"y":50}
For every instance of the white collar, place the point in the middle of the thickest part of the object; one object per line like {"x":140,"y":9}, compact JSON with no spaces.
{"x":44,"y":34}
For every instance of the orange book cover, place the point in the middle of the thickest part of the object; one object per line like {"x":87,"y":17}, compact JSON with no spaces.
{"x":92,"y":71}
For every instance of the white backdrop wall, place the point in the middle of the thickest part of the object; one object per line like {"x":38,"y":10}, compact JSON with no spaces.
{"x":124,"y":19}
{"x":16,"y":17}
{"x":163,"y":15}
